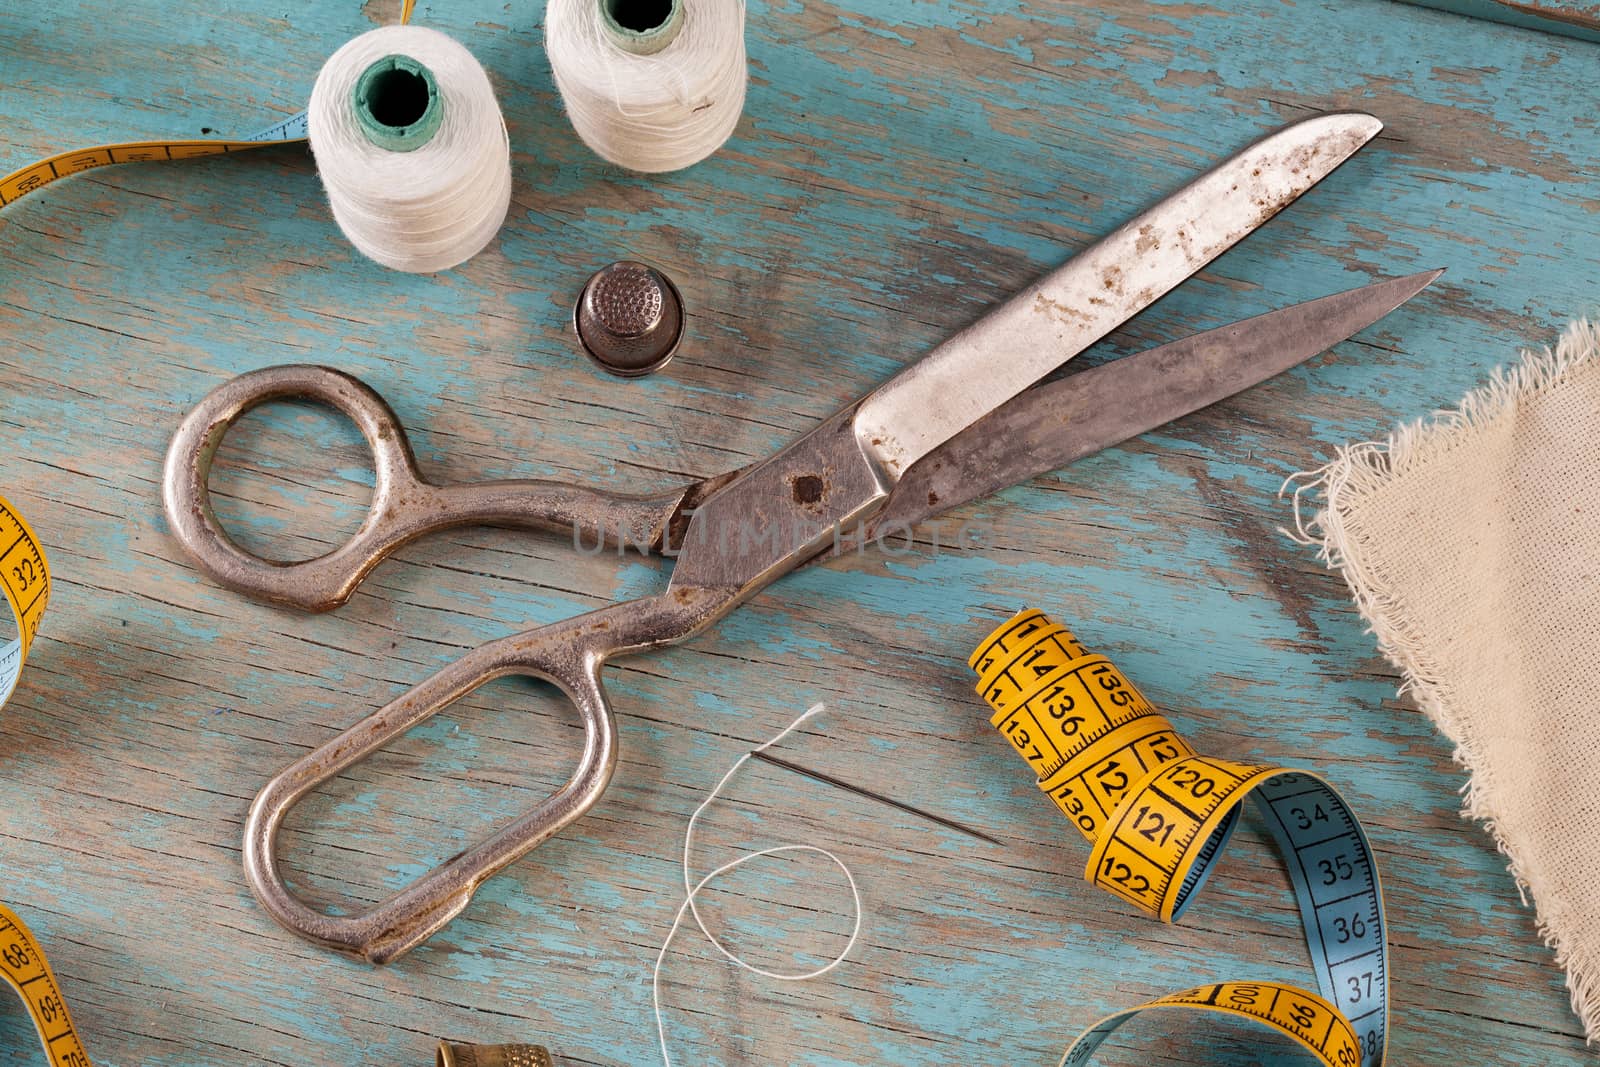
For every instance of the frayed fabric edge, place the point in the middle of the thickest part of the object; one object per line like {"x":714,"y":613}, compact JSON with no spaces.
{"x":1360,"y":469}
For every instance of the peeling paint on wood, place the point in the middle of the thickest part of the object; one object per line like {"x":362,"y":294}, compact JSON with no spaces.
{"x":901,"y":167}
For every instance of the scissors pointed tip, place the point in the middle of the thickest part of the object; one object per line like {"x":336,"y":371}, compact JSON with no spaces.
{"x":1360,"y":120}
{"x":1349,"y":130}
{"x":1384,"y":296}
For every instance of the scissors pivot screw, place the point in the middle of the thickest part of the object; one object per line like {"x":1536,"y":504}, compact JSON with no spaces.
{"x":629,"y":318}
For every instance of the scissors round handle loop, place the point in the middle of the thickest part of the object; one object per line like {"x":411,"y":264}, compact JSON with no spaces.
{"x":316,"y":584}
{"x":405,"y":506}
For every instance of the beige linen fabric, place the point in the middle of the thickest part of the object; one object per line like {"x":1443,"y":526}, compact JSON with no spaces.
{"x":1471,"y":541}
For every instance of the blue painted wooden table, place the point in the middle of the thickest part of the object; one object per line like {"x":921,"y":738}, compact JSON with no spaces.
{"x":900,"y":167}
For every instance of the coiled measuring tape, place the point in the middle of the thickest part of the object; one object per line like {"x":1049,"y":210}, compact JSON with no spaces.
{"x":23,"y":966}
{"x":1158,"y":814}
{"x":35,"y":176}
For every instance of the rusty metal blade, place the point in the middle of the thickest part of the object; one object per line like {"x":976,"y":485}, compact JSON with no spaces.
{"x":786,"y":509}
{"x":1051,"y":425}
{"x":1040,"y":328}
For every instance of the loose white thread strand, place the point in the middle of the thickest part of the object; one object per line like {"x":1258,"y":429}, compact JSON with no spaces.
{"x":691,"y":891}
{"x":650,"y":113}
{"x":438,"y":205}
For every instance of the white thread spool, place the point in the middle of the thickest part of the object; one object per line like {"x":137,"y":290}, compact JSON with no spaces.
{"x":651,"y":85}
{"x":411,"y":147}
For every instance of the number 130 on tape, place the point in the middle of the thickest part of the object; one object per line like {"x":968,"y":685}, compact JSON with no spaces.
{"x":1157,"y":814}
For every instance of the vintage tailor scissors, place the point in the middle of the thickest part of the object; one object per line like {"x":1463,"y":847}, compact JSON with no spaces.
{"x":942,"y":431}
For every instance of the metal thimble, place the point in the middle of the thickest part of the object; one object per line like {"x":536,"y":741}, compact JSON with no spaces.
{"x":461,"y":1055}
{"x":629,"y":318}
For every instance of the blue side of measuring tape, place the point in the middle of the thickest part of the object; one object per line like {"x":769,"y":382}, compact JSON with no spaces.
{"x":293,"y":128}
{"x":1340,"y":897}
{"x":10,"y":668}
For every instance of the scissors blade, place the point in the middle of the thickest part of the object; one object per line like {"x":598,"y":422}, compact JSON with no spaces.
{"x":1046,"y":324}
{"x":1054,"y":424}
{"x":788,"y":508}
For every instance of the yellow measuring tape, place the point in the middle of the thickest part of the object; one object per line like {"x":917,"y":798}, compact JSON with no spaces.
{"x":23,"y":966}
{"x":1158,"y":814}
{"x":35,"y":176}
{"x":25,"y":574}
{"x":25,"y":577}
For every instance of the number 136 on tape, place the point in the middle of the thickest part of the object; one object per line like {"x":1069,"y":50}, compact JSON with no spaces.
{"x":1157,"y":814}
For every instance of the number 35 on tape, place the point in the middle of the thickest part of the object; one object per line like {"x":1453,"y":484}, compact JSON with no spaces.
{"x":1158,"y":814}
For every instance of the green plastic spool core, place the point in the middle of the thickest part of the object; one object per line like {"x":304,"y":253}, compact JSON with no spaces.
{"x":397,"y":104}
{"x":642,"y":27}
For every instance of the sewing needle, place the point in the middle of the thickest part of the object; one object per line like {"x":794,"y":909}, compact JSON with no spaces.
{"x":828,"y":779}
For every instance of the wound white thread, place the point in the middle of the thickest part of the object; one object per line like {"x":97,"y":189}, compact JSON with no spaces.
{"x":691,"y":891}
{"x":435,"y":206}
{"x":658,"y":112}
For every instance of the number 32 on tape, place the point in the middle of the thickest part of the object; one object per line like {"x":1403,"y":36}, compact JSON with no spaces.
{"x":1158,"y":814}
{"x":25,"y":577}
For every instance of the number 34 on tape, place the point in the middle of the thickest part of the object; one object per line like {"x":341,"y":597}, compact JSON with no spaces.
{"x":1158,"y":814}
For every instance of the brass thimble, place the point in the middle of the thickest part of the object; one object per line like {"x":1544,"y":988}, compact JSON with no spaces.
{"x":462,"y":1055}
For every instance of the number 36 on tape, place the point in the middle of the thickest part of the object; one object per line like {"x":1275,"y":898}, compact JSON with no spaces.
{"x":1158,"y":814}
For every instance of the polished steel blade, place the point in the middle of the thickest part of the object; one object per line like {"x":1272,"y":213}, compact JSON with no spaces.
{"x":1051,"y":425}
{"x":1043,"y":326}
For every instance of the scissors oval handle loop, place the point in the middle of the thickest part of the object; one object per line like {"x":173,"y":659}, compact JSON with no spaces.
{"x":404,"y":505}
{"x":569,"y":654}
